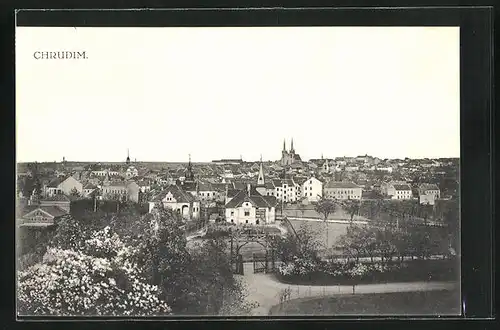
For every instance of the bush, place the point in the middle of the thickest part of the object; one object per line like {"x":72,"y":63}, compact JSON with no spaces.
{"x":332,"y":273}
{"x":100,"y":278}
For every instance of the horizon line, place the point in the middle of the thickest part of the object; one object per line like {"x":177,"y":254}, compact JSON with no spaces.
{"x":226,"y":159}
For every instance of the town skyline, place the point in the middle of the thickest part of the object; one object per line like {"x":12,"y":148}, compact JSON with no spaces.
{"x":389,"y":92}
{"x":189,"y":157}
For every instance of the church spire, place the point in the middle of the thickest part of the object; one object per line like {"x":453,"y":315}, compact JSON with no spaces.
{"x":190,"y":174}
{"x":284,"y":145}
{"x":128,"y":157}
{"x":291,"y":146}
{"x":260,"y":179}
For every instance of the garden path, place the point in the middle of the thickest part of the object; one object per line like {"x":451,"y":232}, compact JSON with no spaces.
{"x":265,"y":289}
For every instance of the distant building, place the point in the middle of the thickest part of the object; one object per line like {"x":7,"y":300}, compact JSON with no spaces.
{"x":175,"y":198}
{"x":312,"y":189}
{"x":63,"y":186}
{"x":289,"y":157}
{"x":228,"y":161}
{"x":399,"y":191}
{"x":342,"y":190}
{"x":427,"y":199}
{"x":61,"y":201}
{"x":121,"y":190}
{"x":248,"y":206}
{"x":38,"y":216}
{"x":88,"y":189}
{"x":285,"y":190}
{"x":131,"y":172}
{"x":429,"y":189}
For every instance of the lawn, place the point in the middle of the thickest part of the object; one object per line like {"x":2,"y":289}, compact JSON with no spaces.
{"x":309,"y":212}
{"x":398,"y":303}
{"x":335,"y":230}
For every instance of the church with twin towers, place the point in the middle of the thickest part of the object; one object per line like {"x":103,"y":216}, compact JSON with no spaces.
{"x":289,"y":157}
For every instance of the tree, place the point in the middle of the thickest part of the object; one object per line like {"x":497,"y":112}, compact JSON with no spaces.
{"x":326,"y":207}
{"x":100,"y":278}
{"x":74,"y":192}
{"x":352,"y":207}
{"x":302,"y":243}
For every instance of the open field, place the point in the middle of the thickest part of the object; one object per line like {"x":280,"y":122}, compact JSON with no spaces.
{"x":309,"y":212}
{"x":335,"y":230}
{"x":397,"y":303}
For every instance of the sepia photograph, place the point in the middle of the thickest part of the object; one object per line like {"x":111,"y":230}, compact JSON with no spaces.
{"x":238,"y":171}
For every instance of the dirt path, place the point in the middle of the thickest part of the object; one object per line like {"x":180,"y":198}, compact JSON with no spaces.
{"x":265,"y":289}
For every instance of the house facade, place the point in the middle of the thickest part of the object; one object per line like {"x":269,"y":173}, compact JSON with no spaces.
{"x":178,"y":200}
{"x":399,"y":191}
{"x":38,"y":216}
{"x":63,"y":186}
{"x":312,"y":189}
{"x":342,"y":190}
{"x":250,"y":207}
{"x":429,"y":189}
{"x":121,"y":190}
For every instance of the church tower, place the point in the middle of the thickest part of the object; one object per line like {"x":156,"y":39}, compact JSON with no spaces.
{"x":190,"y":174}
{"x":284,"y":155}
{"x":261,"y":187}
{"x":128,"y":158}
{"x":260,"y":178}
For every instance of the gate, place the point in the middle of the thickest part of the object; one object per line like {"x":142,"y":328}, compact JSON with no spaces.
{"x":260,"y":264}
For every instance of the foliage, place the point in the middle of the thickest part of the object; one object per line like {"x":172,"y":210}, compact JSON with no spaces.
{"x":325,"y":207}
{"x":197,"y":281}
{"x":352,"y":207}
{"x":304,"y":245}
{"x":98,"y":277}
{"x":74,"y":192}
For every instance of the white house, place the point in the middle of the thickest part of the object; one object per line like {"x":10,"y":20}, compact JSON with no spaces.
{"x":250,"y":207}
{"x":342,"y":190}
{"x":429,"y":189}
{"x":178,"y":200}
{"x":121,"y":190}
{"x":399,"y":191}
{"x":63,"y":186}
{"x":285,"y":190}
{"x":312,"y":189}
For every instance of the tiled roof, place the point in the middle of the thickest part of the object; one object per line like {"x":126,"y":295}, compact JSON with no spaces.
{"x":89,"y":186}
{"x":338,"y":184}
{"x":402,"y":187}
{"x":269,"y":185}
{"x":117,"y":184}
{"x":219,"y":186}
{"x":428,"y":186}
{"x":180,"y":195}
{"x":55,"y":182}
{"x":205,"y":186}
{"x":232,"y":192}
{"x":55,"y":211}
{"x":255,"y":198}
{"x":58,"y":198}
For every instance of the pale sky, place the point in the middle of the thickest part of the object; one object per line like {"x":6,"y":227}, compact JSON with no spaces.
{"x":390,"y":92}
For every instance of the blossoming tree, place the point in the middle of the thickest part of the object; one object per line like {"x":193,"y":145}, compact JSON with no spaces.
{"x":98,"y":278}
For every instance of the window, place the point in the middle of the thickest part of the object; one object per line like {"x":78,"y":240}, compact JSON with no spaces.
{"x":311,"y":181}
{"x":310,"y":194}
{"x":232,"y":212}
{"x":246,"y":221}
{"x":232,"y":220}
{"x":247,"y":214}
